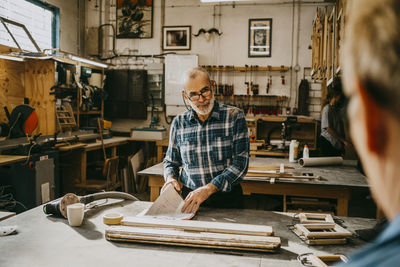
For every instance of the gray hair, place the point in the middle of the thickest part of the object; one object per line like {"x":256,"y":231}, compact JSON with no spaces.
{"x":194,"y":73}
{"x":371,"y":51}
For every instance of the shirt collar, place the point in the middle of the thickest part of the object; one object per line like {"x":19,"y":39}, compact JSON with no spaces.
{"x":214,"y":113}
{"x":391,"y":231}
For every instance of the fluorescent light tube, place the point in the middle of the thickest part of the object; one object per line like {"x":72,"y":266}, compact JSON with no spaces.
{"x":12,"y":58}
{"x":88,"y":61}
{"x":216,"y":1}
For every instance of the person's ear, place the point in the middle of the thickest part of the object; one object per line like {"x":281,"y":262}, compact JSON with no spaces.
{"x":184,"y":94}
{"x":212,"y":86}
{"x":375,"y":121}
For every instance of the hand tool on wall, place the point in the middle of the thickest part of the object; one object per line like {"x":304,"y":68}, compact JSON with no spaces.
{"x":220,"y":85}
{"x":269,"y":80}
{"x":245,"y":80}
{"x":255,"y":85}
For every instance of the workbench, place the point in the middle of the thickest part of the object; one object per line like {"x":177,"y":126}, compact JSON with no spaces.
{"x":49,"y":241}
{"x":10,"y":159}
{"x":160,"y":144}
{"x":336,"y":183}
{"x":75,"y":156}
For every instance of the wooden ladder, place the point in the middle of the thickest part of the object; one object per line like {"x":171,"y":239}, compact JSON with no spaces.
{"x":65,"y":118}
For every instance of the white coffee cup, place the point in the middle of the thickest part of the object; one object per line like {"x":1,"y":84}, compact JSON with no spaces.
{"x":75,"y":213}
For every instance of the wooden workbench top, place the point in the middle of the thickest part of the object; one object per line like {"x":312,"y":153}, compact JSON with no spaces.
{"x":110,"y":142}
{"x":344,"y":175}
{"x":9,"y":159}
{"x":49,"y":241}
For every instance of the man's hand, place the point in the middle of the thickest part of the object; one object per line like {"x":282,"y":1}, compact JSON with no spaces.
{"x":173,"y":181}
{"x":198,"y":196}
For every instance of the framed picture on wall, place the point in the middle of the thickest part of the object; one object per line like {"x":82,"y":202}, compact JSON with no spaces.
{"x":177,"y":37}
{"x":134,"y":18}
{"x":260,"y":32}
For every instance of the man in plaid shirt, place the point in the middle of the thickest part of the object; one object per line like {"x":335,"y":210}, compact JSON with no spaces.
{"x":211,"y":144}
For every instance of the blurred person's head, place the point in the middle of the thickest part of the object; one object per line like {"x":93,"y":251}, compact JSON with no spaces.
{"x":371,"y":76}
{"x":335,"y":94}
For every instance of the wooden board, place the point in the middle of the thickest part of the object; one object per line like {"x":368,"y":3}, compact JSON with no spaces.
{"x":12,"y":90}
{"x":9,"y":159}
{"x":67,"y":147}
{"x":200,"y":226}
{"x":315,"y":218}
{"x":195,"y":239}
{"x":39,"y":78}
{"x":267,"y":167}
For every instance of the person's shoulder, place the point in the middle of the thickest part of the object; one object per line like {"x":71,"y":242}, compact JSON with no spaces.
{"x":231,"y":110}
{"x":386,"y":255}
{"x":181,"y":117}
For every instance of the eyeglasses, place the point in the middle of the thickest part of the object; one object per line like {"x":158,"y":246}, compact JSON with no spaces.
{"x":205,"y":92}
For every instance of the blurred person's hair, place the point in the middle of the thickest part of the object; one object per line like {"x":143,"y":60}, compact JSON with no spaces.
{"x":371,"y":51}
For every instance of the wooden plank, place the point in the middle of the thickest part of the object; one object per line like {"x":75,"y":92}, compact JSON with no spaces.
{"x":66,"y":147}
{"x":197,"y":239}
{"x":9,"y":159}
{"x":12,"y":90}
{"x":267,"y":167}
{"x":315,"y":218}
{"x":200,"y":226}
{"x":39,"y":78}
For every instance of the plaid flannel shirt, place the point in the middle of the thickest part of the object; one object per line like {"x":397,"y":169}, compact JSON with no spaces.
{"x":215,"y":151}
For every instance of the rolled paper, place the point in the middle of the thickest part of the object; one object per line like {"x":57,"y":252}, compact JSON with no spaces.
{"x":321,"y":161}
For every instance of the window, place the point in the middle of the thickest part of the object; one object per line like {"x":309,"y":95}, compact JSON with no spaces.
{"x":41,"y":20}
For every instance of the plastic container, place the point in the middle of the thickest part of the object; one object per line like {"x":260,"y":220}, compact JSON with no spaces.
{"x":306,"y":152}
{"x":293,"y":151}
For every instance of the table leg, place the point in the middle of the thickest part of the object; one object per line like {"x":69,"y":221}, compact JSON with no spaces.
{"x":159,"y":153}
{"x":342,"y":206}
{"x":155,"y":183}
{"x":83,"y":167}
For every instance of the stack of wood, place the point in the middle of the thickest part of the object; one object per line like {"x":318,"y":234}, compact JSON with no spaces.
{"x":273,"y":173}
{"x":230,"y":236}
{"x":320,"y":229}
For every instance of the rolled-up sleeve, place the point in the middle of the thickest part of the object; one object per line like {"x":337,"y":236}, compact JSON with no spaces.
{"x":172,"y":160}
{"x":237,"y":170}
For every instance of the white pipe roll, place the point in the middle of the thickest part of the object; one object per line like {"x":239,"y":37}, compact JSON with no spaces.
{"x":323,"y":161}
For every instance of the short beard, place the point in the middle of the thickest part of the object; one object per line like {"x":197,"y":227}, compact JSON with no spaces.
{"x":203,"y":112}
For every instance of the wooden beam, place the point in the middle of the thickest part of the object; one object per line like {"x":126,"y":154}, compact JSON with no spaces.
{"x":199,"y":226}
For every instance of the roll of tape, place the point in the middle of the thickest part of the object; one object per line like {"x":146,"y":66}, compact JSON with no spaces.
{"x":112,"y":218}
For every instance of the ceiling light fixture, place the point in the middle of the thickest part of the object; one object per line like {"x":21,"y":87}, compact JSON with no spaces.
{"x":88,"y":61}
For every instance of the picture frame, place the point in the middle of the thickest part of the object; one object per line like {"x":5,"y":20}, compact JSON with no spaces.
{"x":260,"y":37}
{"x":134,"y":19}
{"x":177,"y":37}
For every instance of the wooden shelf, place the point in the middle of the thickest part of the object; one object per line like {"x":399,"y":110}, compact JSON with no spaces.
{"x":280,"y":97}
{"x":249,"y":68}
